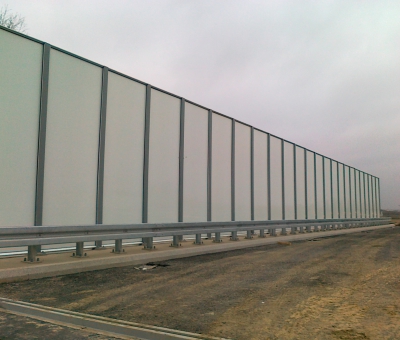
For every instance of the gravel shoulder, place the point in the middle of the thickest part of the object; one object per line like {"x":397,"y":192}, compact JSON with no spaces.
{"x":343,"y":287}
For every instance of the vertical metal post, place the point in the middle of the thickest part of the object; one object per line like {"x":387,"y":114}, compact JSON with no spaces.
{"x":181,"y":159}
{"x":79,"y":249}
{"x":209,"y":166}
{"x":269,"y":174}
{"x":350,"y":193}
{"x":376,"y":197}
{"x":118,"y":247}
{"x":146,"y":156}
{"x":355,"y":193}
{"x":283,"y":179}
{"x":233,"y":171}
{"x":101,"y":151}
{"x":252,"y":174}
{"x":295,"y":181}
{"x":359,"y":190}
{"x":331,"y":176}
{"x":369,"y":197}
{"x":365,"y":197}
{"x":338,"y":187}
{"x":305,"y":183}
{"x":379,"y":195}
{"x":324,"y":187}
{"x":41,"y":147}
{"x":344,"y":191}
{"x":372,"y":196}
{"x":32,"y":252}
{"x":315,"y":188}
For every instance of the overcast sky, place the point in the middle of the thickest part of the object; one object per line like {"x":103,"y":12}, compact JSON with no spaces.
{"x":322,"y":74}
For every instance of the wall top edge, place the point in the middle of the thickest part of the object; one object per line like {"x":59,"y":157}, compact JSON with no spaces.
{"x":166,"y":92}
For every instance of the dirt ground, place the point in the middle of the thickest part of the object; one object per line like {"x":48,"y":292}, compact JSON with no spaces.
{"x":343,"y":287}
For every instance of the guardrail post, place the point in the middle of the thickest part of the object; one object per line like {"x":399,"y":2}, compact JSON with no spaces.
{"x":308,"y":229}
{"x":32,"y":251}
{"x":262,"y":234}
{"x":217,"y":238}
{"x":316,"y":227}
{"x":148,"y":243}
{"x":175,"y":241}
{"x":198,"y":239}
{"x":301,"y":230}
{"x":118,"y":247}
{"x":272,"y":232}
{"x":283,"y":231}
{"x":79,"y":250}
{"x":249,"y":235}
{"x":234,"y":236}
{"x":293,"y":230}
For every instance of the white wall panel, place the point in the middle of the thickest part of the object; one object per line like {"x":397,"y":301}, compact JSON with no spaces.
{"x":368,"y":188}
{"x":353,"y":194}
{"x":362,"y":195}
{"x":347,"y":192}
{"x":335,"y":190}
{"x":164,"y":158}
{"x":195,"y":164}
{"x":300,"y":183}
{"x":276,"y":178}
{"x":20,"y":81}
{"x":375,"y":197}
{"x":372,"y":197}
{"x":328,"y":198}
{"x":310,"y":186}
{"x":72,"y":137}
{"x":221,"y":168}
{"x":123,"y":163}
{"x":341,"y":192}
{"x":242,"y":172}
{"x":320,"y":187}
{"x":260,"y":176}
{"x":378,"y":198}
{"x":358,"y":193}
{"x":289,"y":181}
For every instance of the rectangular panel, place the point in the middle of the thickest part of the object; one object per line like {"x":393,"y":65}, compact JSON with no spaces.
{"x":378,"y":198}
{"x":242,"y":172}
{"x":335,"y":202}
{"x":276,"y":178}
{"x":310,"y":186}
{"x":320,"y":187}
{"x":289,"y":181}
{"x":73,"y":117}
{"x":362,"y":195}
{"x":221,"y":168}
{"x":341,"y":190}
{"x":300,"y":184}
{"x":20,"y":82}
{"x":260,"y":176}
{"x":328,"y":197}
{"x":372,"y":197}
{"x":347,"y":192}
{"x":195,"y":164}
{"x":123,"y":163}
{"x":353,"y":194}
{"x":358,"y":193}
{"x":368,"y":188}
{"x":164,"y":157}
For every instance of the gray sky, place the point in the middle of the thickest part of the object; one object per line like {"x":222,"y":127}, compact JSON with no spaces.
{"x":323,"y":74}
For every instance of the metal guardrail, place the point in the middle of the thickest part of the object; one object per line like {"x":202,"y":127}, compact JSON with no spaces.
{"x":44,"y":235}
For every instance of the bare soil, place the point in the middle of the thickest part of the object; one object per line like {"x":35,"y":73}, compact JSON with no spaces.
{"x":343,"y":287}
